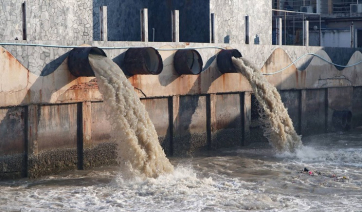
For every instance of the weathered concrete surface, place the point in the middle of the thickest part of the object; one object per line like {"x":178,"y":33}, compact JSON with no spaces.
{"x":230,"y":20}
{"x":158,"y":111}
{"x":12,"y":166}
{"x":52,"y":162}
{"x":99,"y":148}
{"x":226,"y":120}
{"x":313,"y":111}
{"x":190,"y":113}
{"x":189,"y":125}
{"x":12,"y":142}
{"x":59,"y":85}
{"x":339,"y":99}
{"x":52,"y":139}
{"x":292,"y":101}
{"x":47,"y":20}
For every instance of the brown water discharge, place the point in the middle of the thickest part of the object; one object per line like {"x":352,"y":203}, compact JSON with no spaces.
{"x":139,"y":149}
{"x":278,"y":127}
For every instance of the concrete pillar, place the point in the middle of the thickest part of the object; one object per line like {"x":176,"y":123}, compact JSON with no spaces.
{"x":303,"y":110}
{"x":352,"y":32}
{"x":247,"y":36}
{"x":319,"y":6}
{"x":213,"y":120}
{"x":23,"y":8}
{"x":32,"y":137}
{"x":144,"y":25}
{"x":87,"y":124}
{"x":103,"y":23}
{"x":246,"y":105}
{"x":175,"y":26}
{"x":330,"y":7}
{"x":279,"y":31}
{"x":175,"y":117}
{"x":306,"y":33}
{"x":213,"y":36}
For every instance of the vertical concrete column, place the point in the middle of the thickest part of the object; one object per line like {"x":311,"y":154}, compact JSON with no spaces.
{"x":247,"y":36}
{"x":175,"y":26}
{"x":32,"y":137}
{"x":303,"y":108}
{"x":23,"y":8}
{"x":279,"y":31}
{"x":144,"y":25}
{"x":213,"y":120}
{"x":103,"y":23}
{"x":352,"y":32}
{"x":87,"y":124}
{"x":246,"y":102}
{"x":330,"y":7}
{"x":213,"y":36}
{"x":306,"y":33}
{"x":175,"y":121}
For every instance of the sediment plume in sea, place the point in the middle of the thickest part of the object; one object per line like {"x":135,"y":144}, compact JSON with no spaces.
{"x":277,"y":125}
{"x":139,"y":150}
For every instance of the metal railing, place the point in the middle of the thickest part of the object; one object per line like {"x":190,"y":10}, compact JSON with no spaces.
{"x":293,"y":27}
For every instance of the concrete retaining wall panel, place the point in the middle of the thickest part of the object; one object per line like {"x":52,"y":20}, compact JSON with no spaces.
{"x":357,"y":107}
{"x":291,"y":100}
{"x":158,"y":111}
{"x":12,"y":126}
{"x":190,"y":125}
{"x":227,"y":126}
{"x":313,"y":111}
{"x":57,"y":127}
{"x":101,"y":148}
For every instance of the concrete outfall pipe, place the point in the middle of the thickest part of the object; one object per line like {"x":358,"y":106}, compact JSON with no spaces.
{"x":187,"y":61}
{"x":224,"y":60}
{"x":144,"y":60}
{"x":78,"y":61}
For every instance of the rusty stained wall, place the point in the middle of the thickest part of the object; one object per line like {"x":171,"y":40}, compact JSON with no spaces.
{"x":52,"y":139}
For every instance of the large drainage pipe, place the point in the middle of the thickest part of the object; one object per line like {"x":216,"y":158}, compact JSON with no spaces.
{"x":224,"y":60}
{"x":78,"y":61}
{"x":145,"y":60}
{"x":187,"y":61}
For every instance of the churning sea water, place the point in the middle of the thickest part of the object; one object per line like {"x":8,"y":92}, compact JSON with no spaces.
{"x":325,"y":175}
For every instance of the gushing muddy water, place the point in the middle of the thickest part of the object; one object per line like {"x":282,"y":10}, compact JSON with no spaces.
{"x":253,"y":178}
{"x":323,"y":175}
{"x":278,"y":127}
{"x":139,"y":151}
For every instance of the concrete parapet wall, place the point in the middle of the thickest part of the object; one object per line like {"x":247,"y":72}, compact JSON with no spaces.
{"x":51,"y":121}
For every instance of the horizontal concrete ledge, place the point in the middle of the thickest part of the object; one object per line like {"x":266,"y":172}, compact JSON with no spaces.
{"x":39,"y":75}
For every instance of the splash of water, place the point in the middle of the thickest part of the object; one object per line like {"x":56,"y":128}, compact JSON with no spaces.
{"x":278,"y":127}
{"x":139,"y":151}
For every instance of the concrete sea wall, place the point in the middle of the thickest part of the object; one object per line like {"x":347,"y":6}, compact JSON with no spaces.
{"x":51,"y":121}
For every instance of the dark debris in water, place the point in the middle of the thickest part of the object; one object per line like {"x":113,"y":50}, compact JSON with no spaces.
{"x":325,"y":174}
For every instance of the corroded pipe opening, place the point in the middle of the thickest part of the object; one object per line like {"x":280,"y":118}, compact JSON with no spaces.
{"x":224,"y":60}
{"x":187,"y":61}
{"x":78,"y":61}
{"x":145,"y":60}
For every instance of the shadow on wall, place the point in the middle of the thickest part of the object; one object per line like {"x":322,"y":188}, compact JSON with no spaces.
{"x":124,"y":20}
{"x":27,"y":150}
